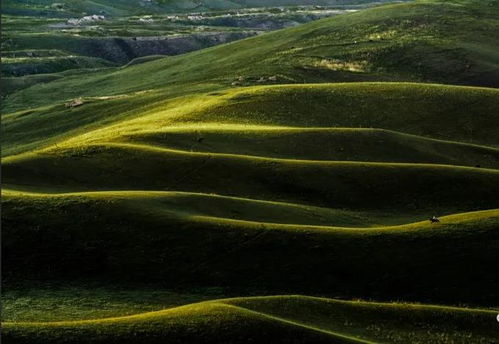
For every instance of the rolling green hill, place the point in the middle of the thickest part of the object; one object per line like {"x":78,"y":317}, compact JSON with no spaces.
{"x":201,"y":240}
{"x":281,"y":319}
{"x":304,"y":161}
{"x":436,"y":117}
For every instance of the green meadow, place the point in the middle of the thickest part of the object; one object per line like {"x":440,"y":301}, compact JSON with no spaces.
{"x":274,"y":189}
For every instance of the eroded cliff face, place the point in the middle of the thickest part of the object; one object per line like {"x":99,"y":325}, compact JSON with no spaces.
{"x":124,"y":49}
{"x":112,"y":51}
{"x":58,"y":8}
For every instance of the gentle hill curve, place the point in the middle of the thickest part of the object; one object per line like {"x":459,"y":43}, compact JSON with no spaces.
{"x":334,"y":144}
{"x":212,"y":207}
{"x":438,"y":111}
{"x":135,"y":236}
{"x":279,"y":319}
{"x":465,"y":114}
{"x":358,"y":185}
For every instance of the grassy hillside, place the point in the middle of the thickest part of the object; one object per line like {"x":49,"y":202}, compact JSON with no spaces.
{"x":288,"y":319}
{"x":240,"y":170}
{"x":437,"y":41}
{"x":304,"y":143}
{"x":343,"y":184}
{"x":432,"y":111}
{"x":195,"y":240}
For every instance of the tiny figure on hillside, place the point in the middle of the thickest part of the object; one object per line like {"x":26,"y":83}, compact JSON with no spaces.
{"x":434,"y":219}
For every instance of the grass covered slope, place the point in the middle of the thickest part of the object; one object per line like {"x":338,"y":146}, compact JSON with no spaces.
{"x":232,"y":206}
{"x":465,"y":114}
{"x":376,"y":145}
{"x":329,"y":184}
{"x":328,"y":154}
{"x":280,"y":319}
{"x":437,"y":111}
{"x":173,"y":176}
{"x":173,"y":239}
{"x":437,"y":41}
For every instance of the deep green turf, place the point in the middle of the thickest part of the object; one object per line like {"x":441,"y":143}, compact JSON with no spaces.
{"x":13,"y":84}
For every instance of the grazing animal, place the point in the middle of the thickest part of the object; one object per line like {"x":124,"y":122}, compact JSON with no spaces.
{"x":434,"y":219}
